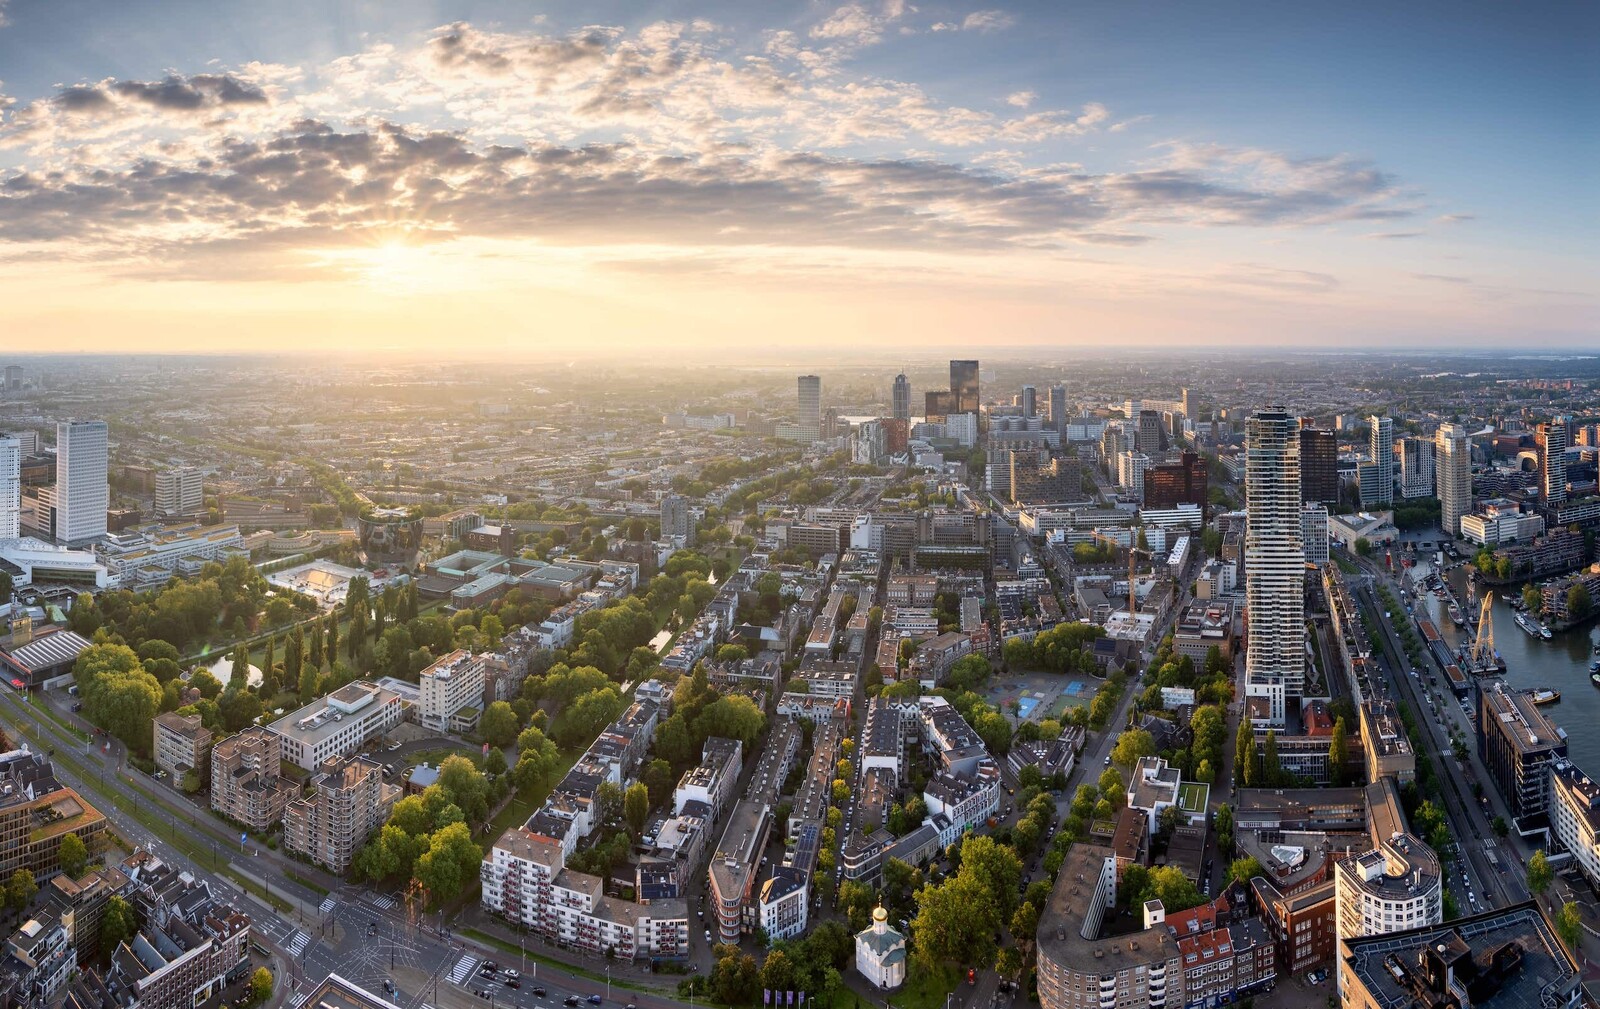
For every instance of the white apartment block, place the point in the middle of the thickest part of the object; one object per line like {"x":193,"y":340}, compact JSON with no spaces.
{"x":452,"y":693}
{"x":10,"y":488}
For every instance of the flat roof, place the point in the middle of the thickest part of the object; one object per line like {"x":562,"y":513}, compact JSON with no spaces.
{"x":337,"y":993}
{"x":1059,"y":936}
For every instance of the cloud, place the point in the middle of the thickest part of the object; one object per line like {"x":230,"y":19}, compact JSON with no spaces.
{"x":856,"y":25}
{"x":3,"y":19}
{"x":1455,"y":218}
{"x":1442,"y":278}
{"x":987,"y":21}
{"x":1393,"y":235}
{"x":1126,"y":124}
{"x":1021,"y":99}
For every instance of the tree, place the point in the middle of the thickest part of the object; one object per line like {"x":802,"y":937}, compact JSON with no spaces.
{"x":1271,"y":767}
{"x":1578,"y":601}
{"x":636,"y":806}
{"x":119,"y":695}
{"x":462,"y":783}
{"x":118,"y":923}
{"x":1540,"y":875}
{"x":777,"y":973}
{"x":260,"y":985}
{"x":494,"y":762}
{"x":1338,"y":755}
{"x":956,"y":922}
{"x":1569,"y":924}
{"x":1501,"y":828}
{"x":498,"y":725}
{"x":450,"y":864}
{"x":1131,"y":746}
{"x":1363,"y":547}
{"x":20,"y":889}
{"x":1111,"y":784}
{"x":1532,"y":598}
{"x":1245,"y":869}
{"x":74,"y":855}
{"x":1244,"y":753}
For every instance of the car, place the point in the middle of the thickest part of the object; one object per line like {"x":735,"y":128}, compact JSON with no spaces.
{"x":513,"y":983}
{"x":388,"y":985}
{"x":77,"y":706}
{"x":513,"y":973}
{"x":1108,"y":761}
{"x":539,"y":992}
{"x":571,"y":1000}
{"x":594,"y":1000}
{"x":708,"y":935}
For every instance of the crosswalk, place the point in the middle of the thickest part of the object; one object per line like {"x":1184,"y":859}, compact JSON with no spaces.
{"x":383,"y":902}
{"x":328,"y":904}
{"x":463,"y":969}
{"x":299,"y":997}
{"x":297,"y":944}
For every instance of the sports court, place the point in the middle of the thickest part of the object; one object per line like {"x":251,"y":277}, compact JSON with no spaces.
{"x":1038,"y":695}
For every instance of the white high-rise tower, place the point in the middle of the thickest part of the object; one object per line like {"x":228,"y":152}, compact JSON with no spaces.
{"x":10,"y":488}
{"x":1274,"y":561}
{"x":1452,"y":475}
{"x":82,"y":492}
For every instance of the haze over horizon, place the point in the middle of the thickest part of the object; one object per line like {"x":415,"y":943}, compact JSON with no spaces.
{"x":487,"y":177}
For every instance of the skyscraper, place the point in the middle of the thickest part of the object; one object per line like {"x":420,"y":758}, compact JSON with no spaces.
{"x":1552,"y":441}
{"x":1416,"y":467}
{"x":82,"y":492}
{"x":676,"y":519}
{"x":1452,"y":473}
{"x":1377,"y":476}
{"x":179,"y":491}
{"x":964,"y":386}
{"x":1030,"y":401}
{"x":1274,"y":561}
{"x":811,"y":402}
{"x":1058,"y":409}
{"x":10,"y":489}
{"x":902,"y":397}
{"x":1319,"y":464}
{"x":1147,"y":436}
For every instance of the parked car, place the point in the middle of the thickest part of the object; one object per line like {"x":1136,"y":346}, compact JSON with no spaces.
{"x":539,"y":992}
{"x":594,"y":1000}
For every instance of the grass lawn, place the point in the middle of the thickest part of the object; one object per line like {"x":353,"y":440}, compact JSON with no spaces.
{"x":925,"y":989}
{"x":1192,"y":796}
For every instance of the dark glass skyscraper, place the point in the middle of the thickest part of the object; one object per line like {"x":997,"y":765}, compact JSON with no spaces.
{"x":1058,"y":409}
{"x":964,"y":386}
{"x":1319,"y":465}
{"x":902,"y":397}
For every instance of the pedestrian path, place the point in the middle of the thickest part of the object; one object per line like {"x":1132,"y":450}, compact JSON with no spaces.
{"x":297,"y":944}
{"x":328,"y":904}
{"x":299,"y":997}
{"x":463,"y":969}
{"x":383,"y":901}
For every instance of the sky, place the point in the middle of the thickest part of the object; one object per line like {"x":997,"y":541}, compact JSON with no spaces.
{"x":708,"y":180}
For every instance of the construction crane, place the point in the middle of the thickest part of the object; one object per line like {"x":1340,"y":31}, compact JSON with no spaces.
{"x":1482,"y":657}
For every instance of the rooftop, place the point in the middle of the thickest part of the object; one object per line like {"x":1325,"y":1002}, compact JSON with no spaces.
{"x":1519,"y":719}
{"x":1061,"y":924}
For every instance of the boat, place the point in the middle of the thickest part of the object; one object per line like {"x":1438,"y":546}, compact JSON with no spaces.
{"x":1545,"y":632}
{"x":1595,"y":679}
{"x":1528,"y":624}
{"x":1547,"y":697}
{"x":1455,"y":615}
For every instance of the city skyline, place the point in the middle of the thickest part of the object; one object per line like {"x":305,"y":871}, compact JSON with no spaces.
{"x":228,"y":179}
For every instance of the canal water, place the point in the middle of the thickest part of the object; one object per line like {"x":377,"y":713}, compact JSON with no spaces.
{"x":1562,"y":663}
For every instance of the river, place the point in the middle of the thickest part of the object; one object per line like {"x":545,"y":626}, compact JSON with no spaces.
{"x":1562,"y":663}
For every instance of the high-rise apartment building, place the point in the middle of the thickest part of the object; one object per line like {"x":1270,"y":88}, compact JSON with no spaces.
{"x":27,"y":438}
{"x":677,"y":519}
{"x":811,"y":400}
{"x":1552,"y":441}
{"x":1377,"y":476}
{"x":246,"y":786}
{"x":902,"y":397}
{"x":179,"y":491}
{"x":964,"y":386}
{"x":1453,"y":476}
{"x":1314,"y":532}
{"x":1030,"y":401}
{"x":1058,"y":409}
{"x":10,"y":488}
{"x":83,"y":491}
{"x":1319,"y":464}
{"x":1147,"y":436}
{"x":1274,"y":561}
{"x":348,"y":802}
{"x":452,"y":692}
{"x":1416,"y":467}
{"x":1131,"y":467}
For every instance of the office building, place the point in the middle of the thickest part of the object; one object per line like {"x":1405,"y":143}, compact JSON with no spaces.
{"x":1319,"y":464}
{"x":1453,"y":476}
{"x":1314,"y":532}
{"x":1058,"y":409}
{"x":964,"y":386}
{"x":246,"y":786}
{"x":1551,"y":440}
{"x":338,"y":724}
{"x":179,"y":492}
{"x":13,"y":378}
{"x":1392,"y":888}
{"x":901,"y":406}
{"x":1416,"y":467}
{"x":182,"y":744}
{"x":348,"y":802}
{"x":1030,"y":402}
{"x":1518,"y":745}
{"x":1575,"y":817}
{"x":1376,"y":476}
{"x":10,"y":488}
{"x":1147,"y":437}
{"x":1508,"y":958}
{"x":1274,"y":561}
{"x":1183,"y":482}
{"x":82,"y":490}
{"x":36,"y":812}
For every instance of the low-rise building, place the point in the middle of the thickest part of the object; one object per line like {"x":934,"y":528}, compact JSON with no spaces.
{"x":881,"y":952}
{"x":1384,"y":740}
{"x":338,"y":724}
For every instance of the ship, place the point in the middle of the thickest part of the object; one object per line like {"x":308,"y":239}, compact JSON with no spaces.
{"x":1529,"y":624}
{"x":1455,"y":615}
{"x":1547,"y":697}
{"x":1545,"y":632}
